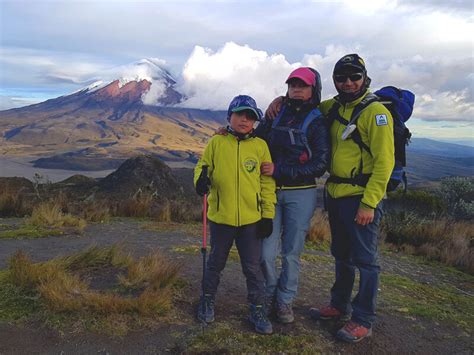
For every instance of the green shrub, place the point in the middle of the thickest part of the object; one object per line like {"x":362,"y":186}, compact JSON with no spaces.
{"x":422,"y":202}
{"x":459,"y":195}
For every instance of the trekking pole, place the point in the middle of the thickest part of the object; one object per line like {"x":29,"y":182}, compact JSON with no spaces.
{"x":204,"y":233}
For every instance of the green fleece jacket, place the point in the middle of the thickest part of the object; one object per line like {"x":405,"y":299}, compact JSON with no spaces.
{"x":375,"y":125}
{"x":239,"y":195}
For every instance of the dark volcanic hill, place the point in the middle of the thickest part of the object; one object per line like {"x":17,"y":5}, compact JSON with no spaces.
{"x":142,"y":174}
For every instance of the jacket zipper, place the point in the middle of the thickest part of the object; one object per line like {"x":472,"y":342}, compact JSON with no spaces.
{"x":238,"y":182}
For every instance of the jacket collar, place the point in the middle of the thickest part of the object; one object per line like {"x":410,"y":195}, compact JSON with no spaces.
{"x":351,"y":104}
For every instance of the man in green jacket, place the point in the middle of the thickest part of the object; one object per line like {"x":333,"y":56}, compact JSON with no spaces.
{"x":361,"y":164}
{"x":241,"y":206}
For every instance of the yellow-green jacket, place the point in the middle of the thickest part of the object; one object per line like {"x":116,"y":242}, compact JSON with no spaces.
{"x":239,"y":195}
{"x":377,"y":134}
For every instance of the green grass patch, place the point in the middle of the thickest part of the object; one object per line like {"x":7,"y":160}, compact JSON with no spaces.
{"x":189,"y":228}
{"x":314,"y":258}
{"x":439,"y":303}
{"x":223,"y":338}
{"x":29,"y":232}
{"x":324,"y":245}
{"x":195,"y":249}
{"x":15,"y":304}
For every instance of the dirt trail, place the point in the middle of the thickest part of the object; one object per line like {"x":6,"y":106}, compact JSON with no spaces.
{"x":394,"y":332}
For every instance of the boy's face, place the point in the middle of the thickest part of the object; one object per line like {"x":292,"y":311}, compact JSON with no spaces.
{"x":242,"y":122}
{"x":298,"y":89}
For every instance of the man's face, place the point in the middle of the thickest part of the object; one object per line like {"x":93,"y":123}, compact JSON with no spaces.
{"x":242,"y":122}
{"x":298,"y":89}
{"x":349,"y":83}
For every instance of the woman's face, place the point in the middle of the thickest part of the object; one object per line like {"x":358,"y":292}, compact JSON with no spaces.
{"x":298,"y":89}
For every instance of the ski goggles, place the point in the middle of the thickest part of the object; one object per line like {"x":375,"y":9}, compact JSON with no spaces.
{"x":341,"y":78}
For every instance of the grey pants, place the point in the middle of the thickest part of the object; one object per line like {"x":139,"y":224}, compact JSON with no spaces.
{"x":250,"y":250}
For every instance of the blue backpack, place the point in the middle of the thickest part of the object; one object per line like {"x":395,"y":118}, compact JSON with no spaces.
{"x":400,"y":104}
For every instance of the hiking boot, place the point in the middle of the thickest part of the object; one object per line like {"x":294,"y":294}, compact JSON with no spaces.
{"x":285,"y":313}
{"x":327,"y":313}
{"x":260,"y":320}
{"x":206,"y":308}
{"x":353,"y":332}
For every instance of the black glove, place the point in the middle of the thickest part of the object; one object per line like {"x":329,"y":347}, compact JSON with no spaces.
{"x":264,"y":228}
{"x":203,"y":183}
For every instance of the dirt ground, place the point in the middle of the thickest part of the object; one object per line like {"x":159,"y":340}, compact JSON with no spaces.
{"x":394,"y":332}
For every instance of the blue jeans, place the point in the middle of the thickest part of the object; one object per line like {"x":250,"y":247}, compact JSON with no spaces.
{"x":354,"y":246}
{"x":293,"y":213}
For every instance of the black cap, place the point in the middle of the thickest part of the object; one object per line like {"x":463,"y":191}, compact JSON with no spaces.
{"x":350,"y":63}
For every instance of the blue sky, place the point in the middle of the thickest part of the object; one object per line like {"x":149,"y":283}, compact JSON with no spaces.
{"x":220,"y":48}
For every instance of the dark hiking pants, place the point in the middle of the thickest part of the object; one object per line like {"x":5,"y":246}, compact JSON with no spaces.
{"x":354,"y":247}
{"x":250,"y":250}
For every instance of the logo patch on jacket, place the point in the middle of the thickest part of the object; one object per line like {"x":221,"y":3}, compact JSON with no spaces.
{"x":250,"y":165}
{"x":381,"y":120}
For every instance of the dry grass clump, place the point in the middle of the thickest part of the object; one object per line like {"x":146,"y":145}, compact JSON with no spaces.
{"x":442,"y":239}
{"x":49,"y":214}
{"x":96,"y":211}
{"x":138,"y":206}
{"x":160,"y":210}
{"x":13,"y":204}
{"x":319,"y":231}
{"x":76,"y":283}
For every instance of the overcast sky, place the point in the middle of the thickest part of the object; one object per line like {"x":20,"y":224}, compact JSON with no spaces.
{"x":219,"y":49}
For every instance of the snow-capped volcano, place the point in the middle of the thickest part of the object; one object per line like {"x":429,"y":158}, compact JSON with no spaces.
{"x":160,"y":90}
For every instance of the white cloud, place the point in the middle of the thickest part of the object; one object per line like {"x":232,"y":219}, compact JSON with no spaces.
{"x":212,"y":79}
{"x":8,"y":102}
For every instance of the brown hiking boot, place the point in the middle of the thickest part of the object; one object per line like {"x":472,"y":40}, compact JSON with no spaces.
{"x":327,"y":313}
{"x":353,"y":332}
{"x":285,"y":313}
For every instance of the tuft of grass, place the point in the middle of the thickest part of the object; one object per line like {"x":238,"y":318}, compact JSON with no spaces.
{"x":139,"y":206}
{"x":61,"y":289}
{"x":49,"y":214}
{"x":436,"y":302}
{"x":97,"y":211}
{"x":319,"y":235}
{"x":13,"y":204}
{"x":164,"y":212}
{"x":225,"y":339}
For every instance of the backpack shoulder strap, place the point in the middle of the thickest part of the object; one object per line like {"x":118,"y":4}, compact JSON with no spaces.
{"x":311,"y":117}
{"x":361,"y":106}
{"x":333,"y":114}
{"x":277,"y":119}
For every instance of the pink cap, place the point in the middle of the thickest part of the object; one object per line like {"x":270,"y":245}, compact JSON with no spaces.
{"x":304,"y":74}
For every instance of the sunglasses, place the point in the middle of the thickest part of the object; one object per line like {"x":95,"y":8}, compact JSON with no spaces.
{"x":341,"y":78}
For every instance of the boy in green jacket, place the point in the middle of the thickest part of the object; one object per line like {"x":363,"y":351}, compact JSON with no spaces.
{"x":241,"y":206}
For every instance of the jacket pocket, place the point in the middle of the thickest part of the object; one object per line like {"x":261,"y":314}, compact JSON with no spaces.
{"x":258,"y":202}
{"x":217,"y":195}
